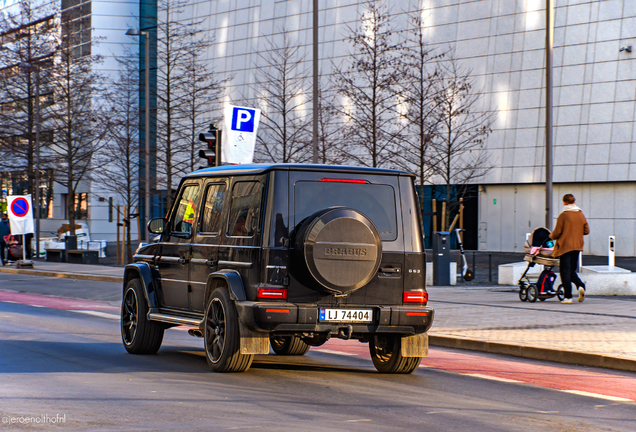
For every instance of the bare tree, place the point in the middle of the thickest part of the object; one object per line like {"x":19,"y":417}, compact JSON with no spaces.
{"x":171,"y":53}
{"x":457,"y":151}
{"x":282,"y":93}
{"x":329,"y":134}
{"x":80,"y":119}
{"x":28,"y":42}
{"x":368,"y":88}
{"x":201,"y":92}
{"x":187,"y":91}
{"x":120,"y":155}
{"x":417,"y":99}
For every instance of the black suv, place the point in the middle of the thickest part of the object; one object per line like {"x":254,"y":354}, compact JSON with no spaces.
{"x":287,"y":255}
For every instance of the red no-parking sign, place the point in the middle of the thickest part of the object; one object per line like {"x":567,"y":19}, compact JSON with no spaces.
{"x":20,"y":214}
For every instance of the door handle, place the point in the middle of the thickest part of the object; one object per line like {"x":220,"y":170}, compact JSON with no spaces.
{"x":211,"y":262}
{"x":389,"y":269}
{"x":183,"y":261}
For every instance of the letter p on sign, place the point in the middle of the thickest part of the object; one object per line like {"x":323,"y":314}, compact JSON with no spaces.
{"x":243,"y":119}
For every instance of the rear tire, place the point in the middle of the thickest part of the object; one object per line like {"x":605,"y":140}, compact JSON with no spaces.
{"x":386,"y":355}
{"x":289,"y":345}
{"x":221,"y":335}
{"x":140,"y":336}
{"x":561,"y":293}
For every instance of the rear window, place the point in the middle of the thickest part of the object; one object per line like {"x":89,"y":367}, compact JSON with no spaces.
{"x":375,"y":201}
{"x":245,"y":209}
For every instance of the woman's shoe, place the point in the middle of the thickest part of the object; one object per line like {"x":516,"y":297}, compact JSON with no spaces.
{"x":581,"y":293}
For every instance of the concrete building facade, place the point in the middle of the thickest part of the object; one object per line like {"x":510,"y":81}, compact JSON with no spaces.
{"x":503,"y":42}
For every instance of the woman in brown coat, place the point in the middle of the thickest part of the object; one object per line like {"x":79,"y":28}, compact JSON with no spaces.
{"x":570,"y":228}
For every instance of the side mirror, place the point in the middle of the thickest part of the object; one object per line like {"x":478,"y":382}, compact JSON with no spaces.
{"x":157,"y":225}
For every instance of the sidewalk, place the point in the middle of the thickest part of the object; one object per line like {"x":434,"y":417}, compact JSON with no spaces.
{"x":71,"y":271}
{"x":599,"y":332}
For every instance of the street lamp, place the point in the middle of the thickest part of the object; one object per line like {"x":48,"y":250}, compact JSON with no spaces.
{"x":29,"y":67}
{"x":146,"y":34}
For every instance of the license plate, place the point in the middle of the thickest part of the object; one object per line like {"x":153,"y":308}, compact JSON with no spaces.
{"x":346,"y":315}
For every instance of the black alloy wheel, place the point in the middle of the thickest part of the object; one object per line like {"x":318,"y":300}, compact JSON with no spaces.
{"x":221,"y":335}
{"x":215,"y":330}
{"x":129,"y":316}
{"x":386,"y":355}
{"x":140,"y":335}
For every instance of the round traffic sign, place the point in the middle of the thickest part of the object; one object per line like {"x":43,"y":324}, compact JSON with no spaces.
{"x":20,"y":207}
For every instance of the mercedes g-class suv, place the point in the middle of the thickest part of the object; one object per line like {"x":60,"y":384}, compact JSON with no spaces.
{"x":287,"y":255}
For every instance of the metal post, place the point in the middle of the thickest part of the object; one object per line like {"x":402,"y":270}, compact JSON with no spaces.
{"x":549,"y":44}
{"x":147,"y":135}
{"x":474,"y":267}
{"x":316,"y":84}
{"x":489,"y":267}
{"x":37,"y":162}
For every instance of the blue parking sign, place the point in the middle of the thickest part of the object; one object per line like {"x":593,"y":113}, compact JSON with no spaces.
{"x":243,"y":119}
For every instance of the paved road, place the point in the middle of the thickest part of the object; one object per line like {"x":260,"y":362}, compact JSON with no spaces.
{"x":71,"y":363}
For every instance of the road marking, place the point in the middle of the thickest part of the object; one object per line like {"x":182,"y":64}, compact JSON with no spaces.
{"x":597,"y":395}
{"x":355,"y":421}
{"x":97,"y":314}
{"x":494,"y":378}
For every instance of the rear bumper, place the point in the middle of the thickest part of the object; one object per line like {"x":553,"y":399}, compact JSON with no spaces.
{"x":289,"y":317}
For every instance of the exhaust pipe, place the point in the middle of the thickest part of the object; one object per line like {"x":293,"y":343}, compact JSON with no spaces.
{"x":345,"y":332}
{"x":195,"y":332}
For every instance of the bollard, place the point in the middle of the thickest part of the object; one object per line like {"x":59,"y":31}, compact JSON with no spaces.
{"x":474,"y":268}
{"x":611,"y":254}
{"x":489,"y":267}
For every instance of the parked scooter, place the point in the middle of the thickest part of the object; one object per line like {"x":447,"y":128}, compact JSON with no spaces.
{"x":467,"y":273}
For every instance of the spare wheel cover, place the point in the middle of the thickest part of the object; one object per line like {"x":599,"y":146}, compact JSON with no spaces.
{"x":342,"y":250}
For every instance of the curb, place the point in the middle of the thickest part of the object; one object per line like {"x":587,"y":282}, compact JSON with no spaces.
{"x":536,"y":353}
{"x":104,"y":278}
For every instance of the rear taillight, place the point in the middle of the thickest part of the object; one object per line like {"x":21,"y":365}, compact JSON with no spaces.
{"x":272,"y":293}
{"x":415,"y":297}
{"x":332,"y":180}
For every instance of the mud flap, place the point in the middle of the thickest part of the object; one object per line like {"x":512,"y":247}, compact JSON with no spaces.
{"x":415,"y":345}
{"x":253,"y":342}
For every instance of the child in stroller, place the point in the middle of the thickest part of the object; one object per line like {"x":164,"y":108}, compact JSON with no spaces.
{"x":538,"y":249}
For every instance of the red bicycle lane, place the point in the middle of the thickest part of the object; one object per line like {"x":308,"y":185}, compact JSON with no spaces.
{"x":620,"y":386}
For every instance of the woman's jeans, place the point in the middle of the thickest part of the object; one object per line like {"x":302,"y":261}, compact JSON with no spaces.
{"x":567,"y":268}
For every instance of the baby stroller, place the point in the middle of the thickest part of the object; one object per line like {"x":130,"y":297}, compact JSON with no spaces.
{"x":14,"y":248}
{"x":538,"y":249}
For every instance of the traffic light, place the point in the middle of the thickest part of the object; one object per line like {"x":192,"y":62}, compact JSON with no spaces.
{"x":213,"y":138}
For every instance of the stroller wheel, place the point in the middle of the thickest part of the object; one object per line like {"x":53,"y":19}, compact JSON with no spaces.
{"x":561,"y":292}
{"x":523,"y":293}
{"x":532,"y":293}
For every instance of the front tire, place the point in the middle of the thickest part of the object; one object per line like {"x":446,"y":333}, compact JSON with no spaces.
{"x":386,"y":355}
{"x":140,"y":336}
{"x":222,"y":337}
{"x":289,"y":345}
{"x":532,"y":293}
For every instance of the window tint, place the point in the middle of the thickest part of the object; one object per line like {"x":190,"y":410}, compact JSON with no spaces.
{"x":245,"y":209}
{"x":377,"y":202}
{"x":214,"y":198}
{"x":186,"y":209}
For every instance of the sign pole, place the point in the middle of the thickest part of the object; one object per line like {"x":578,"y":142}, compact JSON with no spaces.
{"x":23,"y":247}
